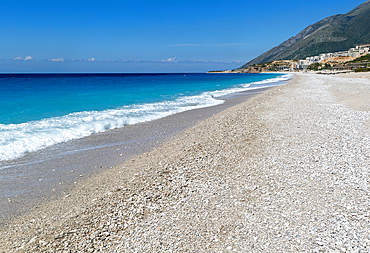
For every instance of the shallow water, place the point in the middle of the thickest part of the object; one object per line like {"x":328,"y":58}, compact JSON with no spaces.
{"x":50,"y":173}
{"x":38,"y":111}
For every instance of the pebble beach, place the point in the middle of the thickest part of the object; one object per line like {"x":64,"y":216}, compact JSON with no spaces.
{"x":285,"y":171}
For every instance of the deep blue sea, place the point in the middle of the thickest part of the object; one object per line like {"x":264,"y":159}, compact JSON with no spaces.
{"x":40,"y":110}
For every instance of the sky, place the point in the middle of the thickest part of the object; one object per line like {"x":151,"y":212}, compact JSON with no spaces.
{"x":140,"y":36}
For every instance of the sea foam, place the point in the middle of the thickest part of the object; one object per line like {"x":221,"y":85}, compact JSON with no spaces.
{"x":18,"y":139}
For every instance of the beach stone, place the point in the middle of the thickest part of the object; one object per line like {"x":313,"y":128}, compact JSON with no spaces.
{"x":286,"y":171}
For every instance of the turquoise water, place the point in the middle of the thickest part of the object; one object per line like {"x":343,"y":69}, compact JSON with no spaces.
{"x":39,"y":110}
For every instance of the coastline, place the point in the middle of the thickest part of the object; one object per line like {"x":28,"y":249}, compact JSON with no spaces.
{"x":49,"y":174}
{"x":284,"y":171}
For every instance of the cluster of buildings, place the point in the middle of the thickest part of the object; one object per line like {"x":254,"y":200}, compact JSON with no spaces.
{"x":336,"y":62}
{"x":332,"y":57}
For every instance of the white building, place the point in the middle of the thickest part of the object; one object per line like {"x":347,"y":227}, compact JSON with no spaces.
{"x":303,"y":64}
{"x":363,"y":46}
{"x":359,"y":50}
{"x":294,"y":66}
{"x":326,"y":56}
{"x":353,"y":52}
{"x":342,"y":54}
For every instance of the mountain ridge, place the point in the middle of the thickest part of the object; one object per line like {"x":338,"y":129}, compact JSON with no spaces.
{"x":332,"y":34}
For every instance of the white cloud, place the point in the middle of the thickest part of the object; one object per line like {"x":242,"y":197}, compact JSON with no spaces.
{"x":123,"y":61}
{"x":56,"y":60}
{"x":28,"y":58}
{"x":76,"y":60}
{"x":18,"y":58}
{"x":170,"y":59}
{"x":73,"y":60}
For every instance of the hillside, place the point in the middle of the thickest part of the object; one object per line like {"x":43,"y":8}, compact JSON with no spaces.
{"x":332,"y":34}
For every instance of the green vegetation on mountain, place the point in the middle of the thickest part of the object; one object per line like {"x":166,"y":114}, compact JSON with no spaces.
{"x":332,"y":34}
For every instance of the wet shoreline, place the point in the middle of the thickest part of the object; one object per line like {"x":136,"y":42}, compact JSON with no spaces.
{"x":51,"y":173}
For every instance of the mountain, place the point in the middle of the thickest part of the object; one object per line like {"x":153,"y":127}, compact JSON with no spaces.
{"x":332,"y":34}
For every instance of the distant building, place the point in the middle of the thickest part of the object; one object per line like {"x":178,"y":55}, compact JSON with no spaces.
{"x":353,"y":52}
{"x":303,"y":64}
{"x":325,"y":59}
{"x":294,"y":66}
{"x":283,"y":68}
{"x":363,"y":46}
{"x":359,"y":50}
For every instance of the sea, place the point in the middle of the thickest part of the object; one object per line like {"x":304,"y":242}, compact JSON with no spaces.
{"x":41,"y":110}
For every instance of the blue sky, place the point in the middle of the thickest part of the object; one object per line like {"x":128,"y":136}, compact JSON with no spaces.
{"x":149,"y":36}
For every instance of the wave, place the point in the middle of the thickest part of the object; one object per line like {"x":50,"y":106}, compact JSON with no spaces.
{"x":18,"y":139}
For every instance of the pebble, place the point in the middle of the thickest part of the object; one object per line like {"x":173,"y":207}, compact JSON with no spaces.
{"x":286,"y":172}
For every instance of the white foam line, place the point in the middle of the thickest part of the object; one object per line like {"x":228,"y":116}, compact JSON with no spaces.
{"x":18,"y":139}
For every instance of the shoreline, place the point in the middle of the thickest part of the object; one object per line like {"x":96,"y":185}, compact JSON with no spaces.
{"x":285,"y":171}
{"x":51,"y":173}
